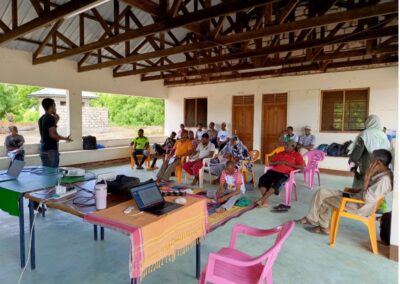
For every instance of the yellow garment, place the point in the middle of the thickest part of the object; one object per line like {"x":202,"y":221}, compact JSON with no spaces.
{"x":182,"y":148}
{"x":162,"y":237}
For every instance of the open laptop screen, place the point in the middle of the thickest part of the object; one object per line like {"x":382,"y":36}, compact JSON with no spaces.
{"x":15,"y":168}
{"x":147,"y":195}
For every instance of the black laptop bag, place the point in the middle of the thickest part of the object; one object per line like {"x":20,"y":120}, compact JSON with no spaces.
{"x":122,"y":184}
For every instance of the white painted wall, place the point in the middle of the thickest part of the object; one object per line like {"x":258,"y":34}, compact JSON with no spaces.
{"x":16,"y":68}
{"x":304,"y":94}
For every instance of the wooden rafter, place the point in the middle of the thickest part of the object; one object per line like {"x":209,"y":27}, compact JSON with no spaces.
{"x":284,"y":71}
{"x":389,"y":31}
{"x":215,"y":41}
{"x":50,"y":17}
{"x":47,"y":38}
{"x":276,"y":62}
{"x":36,"y":5}
{"x":161,"y":26}
{"x":245,"y":36}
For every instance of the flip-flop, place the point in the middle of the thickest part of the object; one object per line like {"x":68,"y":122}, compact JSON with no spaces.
{"x":303,"y":221}
{"x":317,"y":230}
{"x":281,"y":208}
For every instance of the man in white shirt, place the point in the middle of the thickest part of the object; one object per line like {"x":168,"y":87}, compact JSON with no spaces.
{"x":307,"y":141}
{"x":199,"y":131}
{"x":223,"y":136}
{"x":288,"y":136}
{"x":204,"y":150}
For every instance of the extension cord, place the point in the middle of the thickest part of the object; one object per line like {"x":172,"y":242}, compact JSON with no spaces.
{"x":62,"y":195}
{"x":60,"y":189}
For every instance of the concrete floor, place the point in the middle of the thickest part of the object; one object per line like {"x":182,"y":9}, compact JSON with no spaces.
{"x":66,"y":252}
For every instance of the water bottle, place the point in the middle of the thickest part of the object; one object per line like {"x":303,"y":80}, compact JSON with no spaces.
{"x":101,"y":195}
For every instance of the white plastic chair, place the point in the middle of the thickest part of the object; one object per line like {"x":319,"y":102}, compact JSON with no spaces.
{"x":205,"y":167}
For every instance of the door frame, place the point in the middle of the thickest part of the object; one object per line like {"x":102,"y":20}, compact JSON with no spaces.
{"x":252,"y":146}
{"x":262,"y":150}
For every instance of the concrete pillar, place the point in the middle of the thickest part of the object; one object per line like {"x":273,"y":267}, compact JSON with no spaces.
{"x":74,"y":104}
{"x":257,"y":126}
{"x":394,"y":229}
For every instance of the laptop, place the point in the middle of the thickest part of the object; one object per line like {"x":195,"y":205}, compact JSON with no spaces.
{"x":13,"y":171}
{"x":148,"y":198}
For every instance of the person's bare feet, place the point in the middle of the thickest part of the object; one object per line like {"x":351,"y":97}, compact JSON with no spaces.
{"x":318,"y":230}
{"x":220,"y":210}
{"x":303,"y":221}
{"x":195,"y":181}
{"x":262,"y":204}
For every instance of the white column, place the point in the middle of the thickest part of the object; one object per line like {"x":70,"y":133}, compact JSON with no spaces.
{"x":74,"y":104}
{"x":257,"y":127}
{"x":394,"y":230}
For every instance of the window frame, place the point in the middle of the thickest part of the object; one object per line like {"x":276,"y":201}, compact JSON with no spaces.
{"x":205,"y":123}
{"x":367,"y":89}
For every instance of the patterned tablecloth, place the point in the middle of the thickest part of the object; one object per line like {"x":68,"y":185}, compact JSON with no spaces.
{"x":156,"y":239}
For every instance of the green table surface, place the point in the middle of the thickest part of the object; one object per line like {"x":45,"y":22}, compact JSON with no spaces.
{"x":32,"y":179}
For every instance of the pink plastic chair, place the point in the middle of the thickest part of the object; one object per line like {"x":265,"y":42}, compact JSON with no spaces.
{"x":290,"y":186}
{"x":230,"y":265}
{"x":313,"y":158}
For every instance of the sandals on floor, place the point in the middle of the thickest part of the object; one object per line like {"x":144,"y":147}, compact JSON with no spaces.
{"x":281,"y":208}
{"x":317,"y":230}
{"x":303,"y":221}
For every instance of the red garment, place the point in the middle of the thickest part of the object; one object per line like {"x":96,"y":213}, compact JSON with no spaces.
{"x":293,"y":158}
{"x":193,"y":168}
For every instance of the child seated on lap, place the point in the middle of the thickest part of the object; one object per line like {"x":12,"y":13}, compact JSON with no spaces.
{"x":231,"y":188}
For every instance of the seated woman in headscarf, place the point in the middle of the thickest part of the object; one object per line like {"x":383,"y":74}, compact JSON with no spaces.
{"x":360,"y":151}
{"x":235,"y":151}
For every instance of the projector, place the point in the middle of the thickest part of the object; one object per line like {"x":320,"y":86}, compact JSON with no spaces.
{"x":72,"y":172}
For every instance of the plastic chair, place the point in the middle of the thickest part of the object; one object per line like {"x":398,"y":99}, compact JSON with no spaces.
{"x":206,"y":163}
{"x":290,"y":186}
{"x":205,"y":168}
{"x":275,"y":151}
{"x":337,"y":213}
{"x":313,"y":158}
{"x":254,"y":157}
{"x":230,"y":265}
{"x":146,"y":163}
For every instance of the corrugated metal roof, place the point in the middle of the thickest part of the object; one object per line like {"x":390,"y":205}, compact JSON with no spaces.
{"x":70,"y":28}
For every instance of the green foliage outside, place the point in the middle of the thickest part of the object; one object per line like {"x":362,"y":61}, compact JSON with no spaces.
{"x":131,"y":111}
{"x":128,"y":111}
{"x":15,"y":104}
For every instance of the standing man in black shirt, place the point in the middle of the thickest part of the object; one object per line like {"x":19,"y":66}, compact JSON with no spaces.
{"x":49,"y":153}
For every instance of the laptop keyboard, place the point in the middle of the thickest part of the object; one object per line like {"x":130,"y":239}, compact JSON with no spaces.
{"x":163,"y":208}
